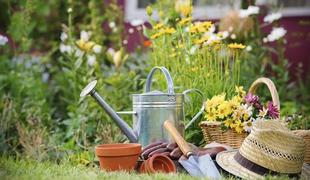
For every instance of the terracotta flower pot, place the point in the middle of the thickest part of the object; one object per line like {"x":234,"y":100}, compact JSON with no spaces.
{"x":158,"y":163}
{"x":113,"y":157}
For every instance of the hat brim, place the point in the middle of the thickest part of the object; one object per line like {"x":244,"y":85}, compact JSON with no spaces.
{"x":225,"y":160}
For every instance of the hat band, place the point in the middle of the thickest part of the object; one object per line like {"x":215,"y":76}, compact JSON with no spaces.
{"x":244,"y":162}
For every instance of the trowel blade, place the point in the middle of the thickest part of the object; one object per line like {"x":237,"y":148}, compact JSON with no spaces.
{"x":200,"y":166}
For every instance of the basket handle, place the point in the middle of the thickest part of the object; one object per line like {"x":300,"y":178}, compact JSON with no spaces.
{"x":271,"y":87}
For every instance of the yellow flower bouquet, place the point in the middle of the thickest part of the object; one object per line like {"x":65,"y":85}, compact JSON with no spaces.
{"x":229,"y":120}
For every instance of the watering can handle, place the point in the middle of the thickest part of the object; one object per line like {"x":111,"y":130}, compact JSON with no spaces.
{"x":167,"y":76}
{"x":201,"y":109}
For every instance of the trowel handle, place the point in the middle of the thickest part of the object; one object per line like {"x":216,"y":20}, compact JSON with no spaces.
{"x":185,"y":148}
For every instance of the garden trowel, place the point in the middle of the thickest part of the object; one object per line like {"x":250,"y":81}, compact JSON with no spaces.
{"x":199,"y":166}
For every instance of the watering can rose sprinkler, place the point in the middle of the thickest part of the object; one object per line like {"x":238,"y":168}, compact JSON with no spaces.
{"x":150,"y":110}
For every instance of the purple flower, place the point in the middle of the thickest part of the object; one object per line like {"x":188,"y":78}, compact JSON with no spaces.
{"x":253,"y":100}
{"x":273,"y":111}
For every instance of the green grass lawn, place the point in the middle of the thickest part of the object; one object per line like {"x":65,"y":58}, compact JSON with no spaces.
{"x":11,"y":168}
{"x":29,"y":169}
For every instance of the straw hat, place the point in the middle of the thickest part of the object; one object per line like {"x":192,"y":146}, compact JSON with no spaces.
{"x":269,"y":149}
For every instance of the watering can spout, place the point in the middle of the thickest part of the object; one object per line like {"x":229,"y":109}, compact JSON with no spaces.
{"x":125,"y":128}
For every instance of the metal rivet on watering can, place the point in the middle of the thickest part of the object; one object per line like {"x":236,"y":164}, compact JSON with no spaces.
{"x":90,"y":89}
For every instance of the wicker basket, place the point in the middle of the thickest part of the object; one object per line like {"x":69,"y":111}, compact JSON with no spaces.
{"x":212,"y":130}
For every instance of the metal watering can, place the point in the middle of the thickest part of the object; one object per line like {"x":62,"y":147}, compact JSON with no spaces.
{"x":150,"y":110}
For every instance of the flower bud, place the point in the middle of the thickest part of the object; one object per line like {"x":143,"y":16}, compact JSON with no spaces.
{"x":117,"y":59}
{"x":149,"y":10}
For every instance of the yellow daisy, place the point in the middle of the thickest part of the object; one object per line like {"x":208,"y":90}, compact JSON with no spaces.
{"x":238,"y":126}
{"x":210,"y":116}
{"x":240,"y":91}
{"x":169,"y":30}
{"x":156,"y":35}
{"x":236,"y":46}
{"x":185,"y":20}
{"x":228,"y":122}
{"x":224,"y":110}
{"x":158,"y":26}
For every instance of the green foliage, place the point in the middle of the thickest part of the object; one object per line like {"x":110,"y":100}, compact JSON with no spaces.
{"x":298,"y":121}
{"x":25,"y":111}
{"x":42,"y":115}
{"x":84,"y":122}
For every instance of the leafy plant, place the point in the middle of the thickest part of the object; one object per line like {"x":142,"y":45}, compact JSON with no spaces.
{"x":86,"y":58}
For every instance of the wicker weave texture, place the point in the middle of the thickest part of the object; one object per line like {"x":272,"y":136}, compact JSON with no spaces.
{"x":212,"y":132}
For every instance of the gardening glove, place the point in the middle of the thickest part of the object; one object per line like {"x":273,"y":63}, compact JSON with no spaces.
{"x":155,"y":148}
{"x":174,"y":152}
{"x":203,"y":151}
{"x":171,"y":150}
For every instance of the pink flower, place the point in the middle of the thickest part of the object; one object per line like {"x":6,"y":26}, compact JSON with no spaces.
{"x":273,"y":111}
{"x":253,"y":100}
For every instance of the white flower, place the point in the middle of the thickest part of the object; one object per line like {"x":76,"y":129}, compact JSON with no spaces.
{"x":251,"y":10}
{"x":248,"y":48}
{"x":69,"y":10}
{"x":212,"y":29}
{"x":212,"y":38}
{"x":223,"y":34}
{"x":248,"y":109}
{"x":91,"y":60}
{"x":272,"y":17}
{"x":233,"y":36}
{"x":63,"y":36}
{"x":137,"y":22}
{"x":97,"y":49}
{"x":125,"y":42}
{"x":248,"y":125}
{"x":3,"y":40}
{"x":112,"y":24}
{"x":243,"y":13}
{"x":186,"y":29}
{"x":263,"y":113}
{"x":84,"y":35}
{"x":65,"y":48}
{"x":114,"y":29}
{"x":130,"y":30}
{"x":45,"y":77}
{"x":276,"y":34}
{"x":265,"y":40}
{"x":253,"y":120}
{"x":78,"y":53}
{"x":111,"y":51}
{"x":193,"y":49}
